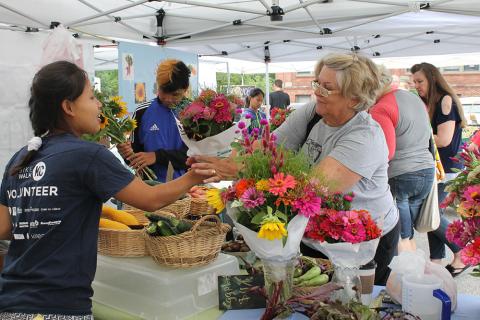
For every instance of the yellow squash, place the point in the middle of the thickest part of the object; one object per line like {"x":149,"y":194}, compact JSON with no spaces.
{"x":109,"y":224}
{"x":119,"y":216}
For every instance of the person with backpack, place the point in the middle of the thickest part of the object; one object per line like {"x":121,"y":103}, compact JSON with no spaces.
{"x":346,"y":145}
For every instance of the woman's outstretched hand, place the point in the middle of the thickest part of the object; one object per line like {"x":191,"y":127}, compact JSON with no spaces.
{"x":219,"y":168}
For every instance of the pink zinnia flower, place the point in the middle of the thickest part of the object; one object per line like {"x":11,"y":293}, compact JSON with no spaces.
{"x":220,"y":103}
{"x":354,"y":233}
{"x":223,"y":115}
{"x":470,"y":255}
{"x":252,"y":198}
{"x":309,"y":204}
{"x":454,"y":233}
{"x":208,"y":113}
{"x":280,"y":183}
{"x":472,"y":195}
{"x":191,"y":110}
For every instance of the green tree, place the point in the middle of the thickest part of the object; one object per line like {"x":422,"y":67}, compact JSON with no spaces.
{"x":255,"y":79}
{"x":108,"y":82}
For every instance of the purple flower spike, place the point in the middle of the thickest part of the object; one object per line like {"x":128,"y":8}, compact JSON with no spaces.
{"x":273,"y":137}
{"x":248,"y":116}
{"x":241,"y":125}
{"x":238,"y":111}
{"x":255,"y":131}
{"x":263,"y":122}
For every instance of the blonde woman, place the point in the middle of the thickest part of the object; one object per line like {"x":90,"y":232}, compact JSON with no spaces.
{"x":347,"y":146}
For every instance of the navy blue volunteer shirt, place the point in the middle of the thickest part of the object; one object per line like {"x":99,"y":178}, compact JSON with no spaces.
{"x":55,"y":204}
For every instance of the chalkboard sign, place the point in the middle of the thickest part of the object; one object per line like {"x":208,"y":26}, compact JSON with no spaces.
{"x":234,"y":292}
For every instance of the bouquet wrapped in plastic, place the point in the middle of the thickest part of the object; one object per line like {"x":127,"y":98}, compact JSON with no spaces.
{"x":270,"y":204}
{"x":207,"y":125}
{"x":349,"y":238}
{"x":464,"y":196}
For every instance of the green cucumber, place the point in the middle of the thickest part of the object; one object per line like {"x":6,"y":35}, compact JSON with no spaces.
{"x":152,"y":229}
{"x":319,"y":280}
{"x":310,"y":274}
{"x":165,"y":229}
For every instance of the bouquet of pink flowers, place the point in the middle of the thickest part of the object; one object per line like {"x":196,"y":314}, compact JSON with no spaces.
{"x":278,"y":116}
{"x":207,"y":123}
{"x":348,"y":237}
{"x":336,"y":223}
{"x":464,"y":196}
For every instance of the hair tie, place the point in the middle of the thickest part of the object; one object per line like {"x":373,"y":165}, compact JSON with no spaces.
{"x":34,"y":144}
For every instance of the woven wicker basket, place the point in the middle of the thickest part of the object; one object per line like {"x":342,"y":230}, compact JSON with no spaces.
{"x":180,"y":207}
{"x":200,"y":207}
{"x":121,"y":243}
{"x":193,"y":248}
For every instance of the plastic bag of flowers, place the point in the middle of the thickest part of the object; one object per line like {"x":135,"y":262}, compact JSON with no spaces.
{"x":349,"y":238}
{"x":270,"y":204}
{"x":207,"y":125}
{"x":464,"y":196}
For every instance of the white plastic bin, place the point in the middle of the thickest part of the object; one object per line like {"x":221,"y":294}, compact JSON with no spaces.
{"x":141,"y":287}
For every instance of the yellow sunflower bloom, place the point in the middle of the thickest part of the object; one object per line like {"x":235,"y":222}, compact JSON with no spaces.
{"x":214,"y":199}
{"x":262,"y":185}
{"x":123,"y":112}
{"x":130,"y":125}
{"x":272,"y":230}
{"x":103,"y":121}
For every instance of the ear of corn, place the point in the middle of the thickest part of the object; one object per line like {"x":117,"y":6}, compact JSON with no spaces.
{"x":119,"y":216}
{"x":110,"y":224}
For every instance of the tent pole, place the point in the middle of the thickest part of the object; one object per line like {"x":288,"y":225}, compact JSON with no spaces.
{"x":210,"y":5}
{"x":301,"y":5}
{"x":23,"y":15}
{"x":205,"y":30}
{"x":112,"y":18}
{"x":228,"y":77}
{"x":73,"y":23}
{"x":265,"y":4}
{"x":267,"y":87}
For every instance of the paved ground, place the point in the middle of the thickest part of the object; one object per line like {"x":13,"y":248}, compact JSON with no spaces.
{"x":466,"y":283}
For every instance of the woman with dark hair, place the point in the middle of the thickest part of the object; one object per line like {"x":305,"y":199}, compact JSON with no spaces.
{"x":156,"y":141}
{"x":447,"y":120}
{"x":51,"y":197}
{"x":253,"y":102}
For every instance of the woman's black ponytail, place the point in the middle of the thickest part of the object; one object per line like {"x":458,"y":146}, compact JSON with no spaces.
{"x":51,"y":85}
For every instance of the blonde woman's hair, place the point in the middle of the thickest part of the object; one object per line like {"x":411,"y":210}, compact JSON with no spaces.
{"x":357,"y":77}
{"x":385,"y":80}
{"x":437,"y":88}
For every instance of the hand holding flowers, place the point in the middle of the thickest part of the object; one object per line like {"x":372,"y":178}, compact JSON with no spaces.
{"x":206,"y":124}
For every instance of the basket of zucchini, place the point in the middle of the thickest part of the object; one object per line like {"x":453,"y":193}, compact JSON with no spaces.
{"x":183,"y":243}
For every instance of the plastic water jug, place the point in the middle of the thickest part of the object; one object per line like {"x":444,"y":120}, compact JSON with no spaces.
{"x":422,"y":295}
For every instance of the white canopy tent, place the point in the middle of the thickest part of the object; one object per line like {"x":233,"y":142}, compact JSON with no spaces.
{"x":251,"y":30}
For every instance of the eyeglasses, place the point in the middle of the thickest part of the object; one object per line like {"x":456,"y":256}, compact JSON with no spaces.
{"x":324,"y":92}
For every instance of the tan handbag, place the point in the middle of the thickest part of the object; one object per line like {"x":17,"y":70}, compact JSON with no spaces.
{"x":428,"y":218}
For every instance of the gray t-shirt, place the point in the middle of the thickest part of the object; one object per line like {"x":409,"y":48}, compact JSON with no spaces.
{"x":359,"y":145}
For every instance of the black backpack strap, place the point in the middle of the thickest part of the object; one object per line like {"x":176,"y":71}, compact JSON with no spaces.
{"x":310,"y":126}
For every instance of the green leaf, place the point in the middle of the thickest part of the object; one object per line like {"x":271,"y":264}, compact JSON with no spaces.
{"x":236,"y":204}
{"x":258,"y":218}
{"x":284,"y":241}
{"x":282,"y":216}
{"x":269,"y":210}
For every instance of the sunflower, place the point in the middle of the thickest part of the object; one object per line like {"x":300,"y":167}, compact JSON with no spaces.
{"x":272,"y":228}
{"x":103,"y":121}
{"x":140,"y":95}
{"x":130,"y":124}
{"x":214,"y":199}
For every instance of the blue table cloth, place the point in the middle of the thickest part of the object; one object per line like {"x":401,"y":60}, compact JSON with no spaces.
{"x":468,"y":308}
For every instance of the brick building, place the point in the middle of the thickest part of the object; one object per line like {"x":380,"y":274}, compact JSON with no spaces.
{"x":465,"y":80}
